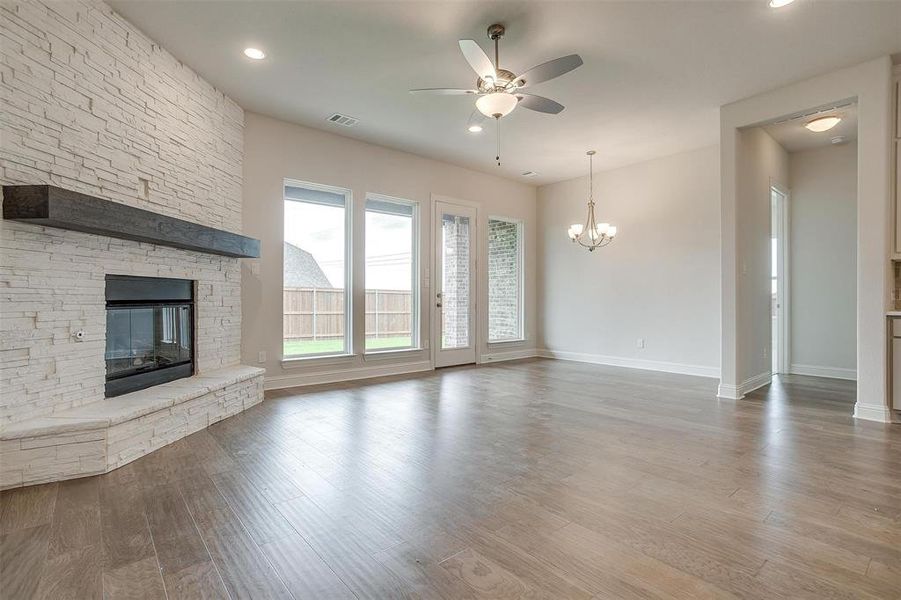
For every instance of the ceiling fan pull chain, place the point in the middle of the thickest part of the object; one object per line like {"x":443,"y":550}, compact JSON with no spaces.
{"x":498,"y":157}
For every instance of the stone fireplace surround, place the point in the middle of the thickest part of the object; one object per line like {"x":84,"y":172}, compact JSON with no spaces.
{"x":56,"y":423}
{"x":93,"y":105}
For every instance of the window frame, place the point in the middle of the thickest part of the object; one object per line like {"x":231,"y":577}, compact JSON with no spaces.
{"x":348,"y":349}
{"x":415,"y":285}
{"x":520,"y":279}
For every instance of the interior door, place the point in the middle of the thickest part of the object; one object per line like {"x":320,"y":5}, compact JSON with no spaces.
{"x":454,"y":317}
{"x":779,"y":280}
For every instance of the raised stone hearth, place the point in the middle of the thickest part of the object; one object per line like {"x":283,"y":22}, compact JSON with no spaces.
{"x":101,"y":436}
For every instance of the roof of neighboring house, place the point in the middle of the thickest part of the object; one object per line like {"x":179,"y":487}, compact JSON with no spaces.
{"x":302,"y":270}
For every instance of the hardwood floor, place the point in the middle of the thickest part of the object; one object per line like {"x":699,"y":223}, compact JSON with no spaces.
{"x":529,"y":479}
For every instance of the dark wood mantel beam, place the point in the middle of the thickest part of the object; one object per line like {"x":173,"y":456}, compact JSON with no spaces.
{"x":51,"y":206}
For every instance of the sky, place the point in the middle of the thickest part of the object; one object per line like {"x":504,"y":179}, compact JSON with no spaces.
{"x":320,"y":231}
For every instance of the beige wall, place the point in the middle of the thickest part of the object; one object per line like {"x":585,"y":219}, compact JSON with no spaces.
{"x":659,"y":280}
{"x":764,"y":163}
{"x":823,"y":265}
{"x":275,"y":150}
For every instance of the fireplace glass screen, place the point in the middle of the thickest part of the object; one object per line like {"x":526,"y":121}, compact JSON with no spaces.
{"x":149,"y":332}
{"x":141,"y":339}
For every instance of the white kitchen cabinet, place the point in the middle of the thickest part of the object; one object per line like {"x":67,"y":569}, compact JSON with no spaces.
{"x":897,"y":197}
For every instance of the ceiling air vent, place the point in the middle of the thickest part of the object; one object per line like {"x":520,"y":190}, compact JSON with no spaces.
{"x":340,"y":119}
{"x":529,"y":173}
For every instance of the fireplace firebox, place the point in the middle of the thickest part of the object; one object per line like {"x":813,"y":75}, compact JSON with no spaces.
{"x":149,"y":332}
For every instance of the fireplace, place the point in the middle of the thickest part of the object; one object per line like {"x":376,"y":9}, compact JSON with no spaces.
{"x":149,"y":332}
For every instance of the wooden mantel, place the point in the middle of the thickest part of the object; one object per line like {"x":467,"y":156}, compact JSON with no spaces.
{"x":51,"y":206}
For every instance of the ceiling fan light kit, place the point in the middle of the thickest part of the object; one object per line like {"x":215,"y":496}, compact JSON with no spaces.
{"x":496,"y":104}
{"x":498,"y":89}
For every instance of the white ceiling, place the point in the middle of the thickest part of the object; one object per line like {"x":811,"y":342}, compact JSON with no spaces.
{"x":654,"y":77}
{"x":794,"y":137}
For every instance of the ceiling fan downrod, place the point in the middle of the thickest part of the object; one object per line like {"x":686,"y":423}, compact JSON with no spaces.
{"x":496,"y":32}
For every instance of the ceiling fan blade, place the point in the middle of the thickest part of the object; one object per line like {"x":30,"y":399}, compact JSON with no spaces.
{"x":444,"y":91}
{"x":477,"y":59}
{"x":549,"y":70}
{"x":539,"y":103}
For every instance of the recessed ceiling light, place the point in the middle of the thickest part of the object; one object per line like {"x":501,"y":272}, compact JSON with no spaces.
{"x":254,"y":53}
{"x":529,"y":173}
{"x":475,"y":128}
{"x":780,"y":3}
{"x":823,"y":124}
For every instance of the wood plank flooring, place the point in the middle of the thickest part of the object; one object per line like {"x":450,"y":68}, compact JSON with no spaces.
{"x":528,"y":479}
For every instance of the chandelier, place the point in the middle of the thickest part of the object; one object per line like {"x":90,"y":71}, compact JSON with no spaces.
{"x":593,"y":234}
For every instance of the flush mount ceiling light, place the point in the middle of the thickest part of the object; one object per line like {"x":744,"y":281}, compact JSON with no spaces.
{"x":498,"y":89}
{"x":254,"y":53}
{"x":779,"y":3}
{"x":823,"y":124}
{"x":593,"y":234}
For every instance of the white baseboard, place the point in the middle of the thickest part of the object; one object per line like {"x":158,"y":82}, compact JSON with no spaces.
{"x":737,"y":392}
{"x":882,"y":414}
{"x":831,"y":372}
{"x":729,"y":392}
{"x":277,"y":382}
{"x":633,"y":363}
{"x":502,"y":355}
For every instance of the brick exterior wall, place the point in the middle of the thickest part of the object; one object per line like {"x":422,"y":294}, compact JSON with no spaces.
{"x":93,"y":105}
{"x":504,"y":280}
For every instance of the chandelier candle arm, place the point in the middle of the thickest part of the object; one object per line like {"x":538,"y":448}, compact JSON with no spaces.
{"x":593,"y":234}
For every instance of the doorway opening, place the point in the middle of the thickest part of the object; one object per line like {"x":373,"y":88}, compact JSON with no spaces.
{"x":812,"y":196}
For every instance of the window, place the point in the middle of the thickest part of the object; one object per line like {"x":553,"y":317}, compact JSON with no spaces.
{"x":392,"y":289}
{"x":316,"y":318}
{"x":505,"y":288}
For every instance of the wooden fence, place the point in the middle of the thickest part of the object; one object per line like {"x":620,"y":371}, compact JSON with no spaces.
{"x":318,"y":314}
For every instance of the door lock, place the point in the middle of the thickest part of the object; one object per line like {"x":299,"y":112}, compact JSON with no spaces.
{"x":438,"y":304}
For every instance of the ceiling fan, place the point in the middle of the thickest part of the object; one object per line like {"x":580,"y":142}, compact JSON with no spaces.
{"x":498,"y":89}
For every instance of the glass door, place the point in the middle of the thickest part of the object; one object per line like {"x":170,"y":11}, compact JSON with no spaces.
{"x":455,"y":290}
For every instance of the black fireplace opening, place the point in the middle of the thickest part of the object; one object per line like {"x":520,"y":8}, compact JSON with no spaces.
{"x":149,"y":332}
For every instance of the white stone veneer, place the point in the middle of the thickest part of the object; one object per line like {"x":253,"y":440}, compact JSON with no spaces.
{"x":91,"y":104}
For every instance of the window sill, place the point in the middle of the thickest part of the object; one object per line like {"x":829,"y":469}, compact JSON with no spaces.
{"x":319,"y":359}
{"x":505,"y":343}
{"x":376,"y":355}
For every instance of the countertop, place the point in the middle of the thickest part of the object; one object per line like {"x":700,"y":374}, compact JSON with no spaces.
{"x":893,"y":313}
